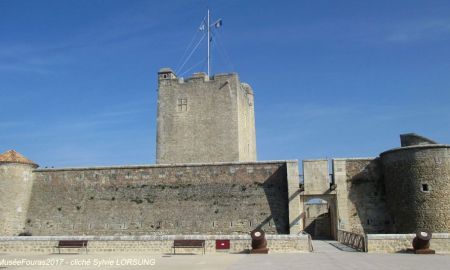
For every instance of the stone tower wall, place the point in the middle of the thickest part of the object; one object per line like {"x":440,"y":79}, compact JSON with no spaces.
{"x":16,"y":181}
{"x":417,"y":182}
{"x":204,"y":120}
{"x":246,"y":123}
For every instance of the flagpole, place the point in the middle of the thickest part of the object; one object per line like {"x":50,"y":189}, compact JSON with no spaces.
{"x":208,"y":29}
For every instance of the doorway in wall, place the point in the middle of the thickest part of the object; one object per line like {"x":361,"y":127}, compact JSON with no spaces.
{"x":318,"y":219}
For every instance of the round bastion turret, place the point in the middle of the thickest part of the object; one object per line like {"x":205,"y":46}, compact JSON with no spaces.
{"x":16,"y":181}
{"x":417,"y":180}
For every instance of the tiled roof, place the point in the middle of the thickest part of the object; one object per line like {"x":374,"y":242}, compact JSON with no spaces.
{"x":12,"y":156}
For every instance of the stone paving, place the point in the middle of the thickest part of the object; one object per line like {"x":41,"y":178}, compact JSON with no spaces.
{"x":327,"y":246}
{"x":325,"y":256}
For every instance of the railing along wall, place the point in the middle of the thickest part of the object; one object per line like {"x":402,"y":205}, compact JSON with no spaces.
{"x":353,"y":240}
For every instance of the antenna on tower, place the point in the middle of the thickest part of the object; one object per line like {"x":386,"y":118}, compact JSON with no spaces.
{"x":208,"y":27}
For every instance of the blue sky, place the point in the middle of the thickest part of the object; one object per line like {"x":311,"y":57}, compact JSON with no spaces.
{"x":331,"y":78}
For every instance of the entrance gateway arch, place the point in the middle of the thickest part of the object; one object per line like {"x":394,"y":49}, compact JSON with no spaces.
{"x":318,"y":200}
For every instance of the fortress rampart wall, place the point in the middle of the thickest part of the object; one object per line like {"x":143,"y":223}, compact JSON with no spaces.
{"x":220,"y":198}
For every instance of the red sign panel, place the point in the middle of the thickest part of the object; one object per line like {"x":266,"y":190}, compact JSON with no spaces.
{"x":222,"y":244}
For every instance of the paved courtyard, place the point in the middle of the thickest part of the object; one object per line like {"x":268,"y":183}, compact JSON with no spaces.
{"x":326,"y":256}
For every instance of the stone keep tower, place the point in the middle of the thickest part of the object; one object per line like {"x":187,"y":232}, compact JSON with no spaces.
{"x":417,"y":179}
{"x":16,"y":181}
{"x":204,"y":120}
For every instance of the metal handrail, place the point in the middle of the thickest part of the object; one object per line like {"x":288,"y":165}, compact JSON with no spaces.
{"x":354,"y":240}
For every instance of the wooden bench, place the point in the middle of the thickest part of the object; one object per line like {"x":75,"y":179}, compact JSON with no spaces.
{"x":189,"y":244}
{"x":80,"y":244}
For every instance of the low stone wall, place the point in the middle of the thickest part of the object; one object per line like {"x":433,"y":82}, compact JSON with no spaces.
{"x":149,"y":244}
{"x":390,"y":243}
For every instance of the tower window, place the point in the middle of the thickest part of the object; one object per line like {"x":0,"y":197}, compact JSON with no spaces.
{"x":425,"y":188}
{"x":182,"y":104}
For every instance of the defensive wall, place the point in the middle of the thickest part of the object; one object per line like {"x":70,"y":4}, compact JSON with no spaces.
{"x":399,"y":243}
{"x":152,"y":243}
{"x":404,"y":190}
{"x":219,"y":198}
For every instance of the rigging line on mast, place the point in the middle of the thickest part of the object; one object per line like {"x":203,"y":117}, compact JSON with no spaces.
{"x":189,"y":46}
{"x":193,"y":50}
{"x":222,"y":51}
{"x":186,"y":50}
{"x":195,"y":65}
